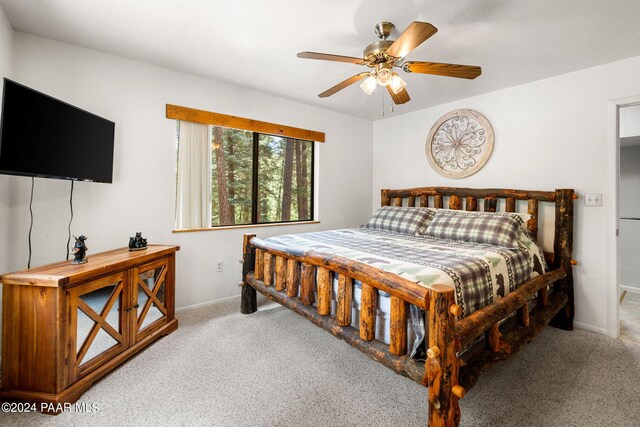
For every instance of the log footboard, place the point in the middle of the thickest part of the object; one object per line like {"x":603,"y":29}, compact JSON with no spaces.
{"x":248,"y":300}
{"x":302,"y":281}
{"x":375,"y":349}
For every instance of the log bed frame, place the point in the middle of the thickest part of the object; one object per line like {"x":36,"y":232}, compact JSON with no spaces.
{"x":288,"y":276}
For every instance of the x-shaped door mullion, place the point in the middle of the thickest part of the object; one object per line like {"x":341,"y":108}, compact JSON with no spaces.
{"x":100,"y":321}
{"x":152,"y":294}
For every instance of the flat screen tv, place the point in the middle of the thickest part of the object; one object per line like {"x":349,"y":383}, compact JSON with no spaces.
{"x":44,"y":137}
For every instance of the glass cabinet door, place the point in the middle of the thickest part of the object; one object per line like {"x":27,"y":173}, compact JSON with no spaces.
{"x":149,"y":297}
{"x":98,"y":320}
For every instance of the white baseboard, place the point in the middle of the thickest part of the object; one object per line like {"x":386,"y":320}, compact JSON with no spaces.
{"x":207,"y":303}
{"x":590,"y":328}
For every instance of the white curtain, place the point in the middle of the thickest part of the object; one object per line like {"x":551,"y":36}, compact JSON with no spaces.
{"x":193,"y":201}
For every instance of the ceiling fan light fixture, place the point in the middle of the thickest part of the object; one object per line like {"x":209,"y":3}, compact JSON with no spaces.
{"x":397,"y":84}
{"x":384,"y":76}
{"x":368,"y":85}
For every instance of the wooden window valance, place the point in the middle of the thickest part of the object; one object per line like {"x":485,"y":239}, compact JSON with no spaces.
{"x":216,"y":119}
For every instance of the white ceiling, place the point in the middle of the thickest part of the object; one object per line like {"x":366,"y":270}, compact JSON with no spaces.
{"x":253,"y":43}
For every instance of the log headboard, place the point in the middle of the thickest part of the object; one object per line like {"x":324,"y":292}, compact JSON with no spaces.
{"x":452,"y":198}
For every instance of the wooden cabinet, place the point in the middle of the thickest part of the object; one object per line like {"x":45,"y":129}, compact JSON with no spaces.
{"x":65,"y":326}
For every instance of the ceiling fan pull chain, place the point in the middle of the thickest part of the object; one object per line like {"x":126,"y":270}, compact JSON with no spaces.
{"x":382,"y":104}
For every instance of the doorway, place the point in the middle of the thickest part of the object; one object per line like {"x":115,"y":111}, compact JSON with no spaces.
{"x":629,"y":222}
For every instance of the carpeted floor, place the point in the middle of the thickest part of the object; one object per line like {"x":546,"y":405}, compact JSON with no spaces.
{"x":275,"y":368}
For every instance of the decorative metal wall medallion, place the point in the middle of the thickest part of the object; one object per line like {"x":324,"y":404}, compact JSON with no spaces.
{"x":459,"y":143}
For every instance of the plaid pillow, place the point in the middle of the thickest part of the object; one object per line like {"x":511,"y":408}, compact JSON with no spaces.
{"x":400,"y":219}
{"x":520,"y":217}
{"x":475,"y":227}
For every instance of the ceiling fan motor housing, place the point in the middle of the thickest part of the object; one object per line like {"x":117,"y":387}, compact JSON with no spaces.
{"x":375,"y":52}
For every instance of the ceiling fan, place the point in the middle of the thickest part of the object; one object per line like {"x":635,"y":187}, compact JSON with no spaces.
{"x":384,"y":55}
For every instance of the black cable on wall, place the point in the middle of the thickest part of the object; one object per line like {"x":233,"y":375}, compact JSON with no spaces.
{"x":70,"y":219}
{"x":31,"y":224}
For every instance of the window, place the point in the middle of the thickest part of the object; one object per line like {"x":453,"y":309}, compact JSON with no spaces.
{"x":258,"y":178}
{"x":237,"y":171}
{"x":255,"y":178}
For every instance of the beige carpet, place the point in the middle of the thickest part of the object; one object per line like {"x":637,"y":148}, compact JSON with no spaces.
{"x":275,"y":368}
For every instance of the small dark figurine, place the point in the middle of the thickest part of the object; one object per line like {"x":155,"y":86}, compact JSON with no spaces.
{"x":137,"y":243}
{"x":80,"y":250}
{"x":537,"y":266}
{"x":500,"y":282}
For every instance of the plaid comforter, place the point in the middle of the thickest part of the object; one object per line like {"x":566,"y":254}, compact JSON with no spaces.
{"x":479,"y":273}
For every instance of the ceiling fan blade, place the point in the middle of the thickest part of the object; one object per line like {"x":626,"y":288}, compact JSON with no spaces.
{"x":330,"y":57}
{"x":348,"y":82}
{"x":416,"y":33}
{"x":401,"y":97}
{"x":448,"y":70}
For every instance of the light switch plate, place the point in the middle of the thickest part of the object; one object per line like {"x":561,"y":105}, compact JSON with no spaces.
{"x":593,"y":199}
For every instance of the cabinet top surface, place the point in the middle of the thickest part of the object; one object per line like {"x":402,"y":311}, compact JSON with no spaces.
{"x":64,"y":273}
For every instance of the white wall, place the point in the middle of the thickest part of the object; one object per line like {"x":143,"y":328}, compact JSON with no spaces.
{"x":142,"y":197}
{"x":6,"y":70}
{"x":629,"y":190}
{"x":549,"y":134}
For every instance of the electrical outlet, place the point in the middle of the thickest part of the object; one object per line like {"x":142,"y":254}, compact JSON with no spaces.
{"x":219,"y":266}
{"x":593,"y":199}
